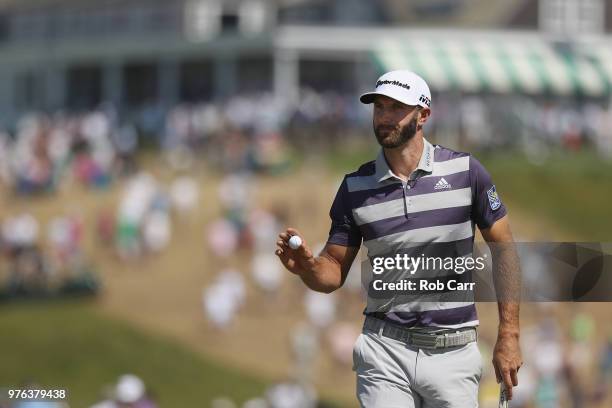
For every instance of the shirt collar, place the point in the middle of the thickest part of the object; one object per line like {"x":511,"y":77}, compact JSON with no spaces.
{"x":383,"y":171}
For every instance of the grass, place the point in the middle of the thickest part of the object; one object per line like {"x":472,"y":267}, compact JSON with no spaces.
{"x":572,"y":190}
{"x":67,"y":344}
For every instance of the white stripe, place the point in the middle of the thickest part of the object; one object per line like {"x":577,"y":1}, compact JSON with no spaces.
{"x":558,"y":73}
{"x":417,"y":306}
{"x":520,"y":60}
{"x":424,"y":52}
{"x":391,"y":54}
{"x":591,"y":81}
{"x":445,"y":168}
{"x":422,"y":202}
{"x":498,"y":79}
{"x":604,"y":55}
{"x":457,"y":326}
{"x":377,"y":212}
{"x":462,"y":66}
{"x":416,"y":237}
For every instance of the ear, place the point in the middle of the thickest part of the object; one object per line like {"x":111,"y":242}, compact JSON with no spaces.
{"x":424,"y":115}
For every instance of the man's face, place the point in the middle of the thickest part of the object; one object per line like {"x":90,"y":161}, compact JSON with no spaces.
{"x":394,"y":123}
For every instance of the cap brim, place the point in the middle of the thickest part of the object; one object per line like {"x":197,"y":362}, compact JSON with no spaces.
{"x":369,"y":97}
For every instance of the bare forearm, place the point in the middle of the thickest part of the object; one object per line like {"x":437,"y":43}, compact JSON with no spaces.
{"x":324,"y":276}
{"x":508,"y":319}
{"x":507,"y":279}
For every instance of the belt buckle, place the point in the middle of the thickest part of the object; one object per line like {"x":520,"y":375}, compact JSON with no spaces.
{"x":421,"y":340}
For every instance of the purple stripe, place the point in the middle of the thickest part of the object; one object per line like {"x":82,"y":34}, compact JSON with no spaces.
{"x":388,"y":192}
{"x":393,"y":190}
{"x":366,"y":169}
{"x":423,"y":219}
{"x":446,"y":317}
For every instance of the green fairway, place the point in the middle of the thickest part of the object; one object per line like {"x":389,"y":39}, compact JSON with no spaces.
{"x":67,"y":344}
{"x":573,"y":190}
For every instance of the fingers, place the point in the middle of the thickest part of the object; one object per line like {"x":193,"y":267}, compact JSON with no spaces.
{"x":283,"y":242}
{"x":293,"y":231}
{"x":304,"y":251}
{"x":514,"y":376}
{"x":509,"y":376}
{"x":508,"y":384}
{"x":281,"y":245}
{"x":288,"y":233}
{"x":498,"y":376}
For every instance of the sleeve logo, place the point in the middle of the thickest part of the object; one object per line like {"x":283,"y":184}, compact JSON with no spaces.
{"x":494,"y":200}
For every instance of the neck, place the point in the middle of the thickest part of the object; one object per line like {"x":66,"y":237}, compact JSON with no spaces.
{"x":403,"y":160}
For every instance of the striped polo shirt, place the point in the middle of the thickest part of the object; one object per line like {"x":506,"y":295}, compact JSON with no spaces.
{"x":448,"y":193}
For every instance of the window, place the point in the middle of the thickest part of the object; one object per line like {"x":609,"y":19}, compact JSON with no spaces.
{"x":84,"y":87}
{"x":140,"y":84}
{"x":571,"y":17}
{"x":196,"y":81}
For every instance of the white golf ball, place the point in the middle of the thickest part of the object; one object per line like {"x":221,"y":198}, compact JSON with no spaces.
{"x":295,"y":242}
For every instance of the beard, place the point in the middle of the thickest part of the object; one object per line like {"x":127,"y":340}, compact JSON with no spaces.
{"x":392,"y":136}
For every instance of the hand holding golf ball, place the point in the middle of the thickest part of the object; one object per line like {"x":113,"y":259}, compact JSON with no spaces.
{"x":295,"y":242}
{"x":294,"y":252}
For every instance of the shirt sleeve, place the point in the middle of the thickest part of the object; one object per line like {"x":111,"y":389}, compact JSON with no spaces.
{"x":487,"y":206}
{"x":344,"y":231}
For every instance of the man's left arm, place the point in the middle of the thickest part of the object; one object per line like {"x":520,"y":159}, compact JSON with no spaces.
{"x":507,"y":280}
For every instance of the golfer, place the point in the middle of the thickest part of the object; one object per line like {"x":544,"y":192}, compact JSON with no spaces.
{"x":416,"y":195}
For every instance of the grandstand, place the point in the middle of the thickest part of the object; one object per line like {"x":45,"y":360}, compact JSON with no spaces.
{"x":73,"y":55}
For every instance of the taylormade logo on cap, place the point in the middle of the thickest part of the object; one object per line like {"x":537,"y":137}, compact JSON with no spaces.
{"x":385,"y":82}
{"x":404,"y":86}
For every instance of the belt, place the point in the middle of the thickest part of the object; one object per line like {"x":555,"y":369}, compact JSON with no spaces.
{"x":420,"y":339}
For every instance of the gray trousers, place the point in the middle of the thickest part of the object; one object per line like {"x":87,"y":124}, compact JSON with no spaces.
{"x":391,"y":374}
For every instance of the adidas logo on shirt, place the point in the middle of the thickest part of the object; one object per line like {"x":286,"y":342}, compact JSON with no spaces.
{"x":442,"y":184}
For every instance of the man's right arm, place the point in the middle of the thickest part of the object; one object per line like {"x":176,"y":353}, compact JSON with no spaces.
{"x":323,"y":273}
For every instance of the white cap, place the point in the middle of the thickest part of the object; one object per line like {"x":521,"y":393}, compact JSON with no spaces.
{"x":404,"y":86}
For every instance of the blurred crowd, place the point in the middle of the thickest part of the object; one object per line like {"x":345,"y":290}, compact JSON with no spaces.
{"x":46,"y":152}
{"x":248,"y":231}
{"x":142,"y":221}
{"x":536,"y":125}
{"x":130,"y":391}
{"x":42,"y":257}
{"x":253,"y":132}
{"x":565,"y":365}
{"x":31,"y":266}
